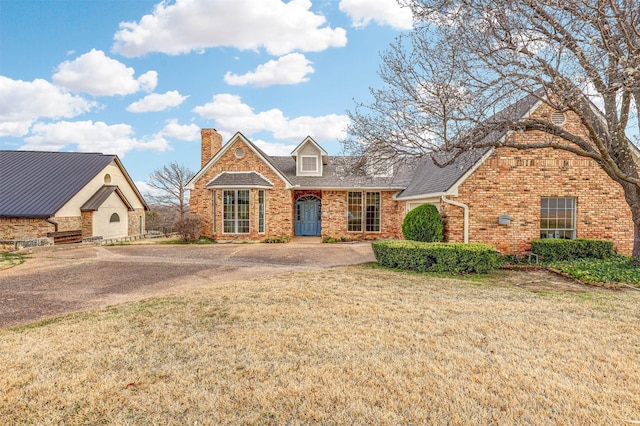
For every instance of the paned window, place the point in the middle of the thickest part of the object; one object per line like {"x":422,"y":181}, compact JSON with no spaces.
{"x":372,"y":217}
{"x":261,"y":212}
{"x":558,"y":218}
{"x":354,"y":212}
{"x":363,"y":207}
{"x":310,"y":164}
{"x":235,"y":212}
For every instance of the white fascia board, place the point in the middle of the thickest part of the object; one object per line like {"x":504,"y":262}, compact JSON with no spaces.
{"x":225,"y":148}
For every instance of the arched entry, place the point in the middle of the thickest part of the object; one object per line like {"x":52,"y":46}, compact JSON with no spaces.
{"x":308,"y":215}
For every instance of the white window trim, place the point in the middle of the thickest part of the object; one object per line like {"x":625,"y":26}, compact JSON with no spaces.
{"x":315,"y":159}
{"x":574,"y":230}
{"x":235,"y":220}
{"x":264,"y":212}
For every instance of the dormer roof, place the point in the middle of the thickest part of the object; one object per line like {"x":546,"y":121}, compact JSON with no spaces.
{"x":309,"y":141}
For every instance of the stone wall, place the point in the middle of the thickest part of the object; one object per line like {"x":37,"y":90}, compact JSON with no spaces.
{"x":133,"y":218}
{"x":24,"y":228}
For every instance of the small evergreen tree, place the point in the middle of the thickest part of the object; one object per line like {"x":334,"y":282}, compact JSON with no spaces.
{"x":423,"y":223}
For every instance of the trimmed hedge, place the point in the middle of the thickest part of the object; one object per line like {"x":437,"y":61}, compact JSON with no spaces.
{"x":553,"y":250}
{"x":423,"y":223}
{"x":436,"y":257}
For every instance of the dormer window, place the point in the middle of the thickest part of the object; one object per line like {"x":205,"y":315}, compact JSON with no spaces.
{"x":309,"y":163}
{"x":310,"y":158}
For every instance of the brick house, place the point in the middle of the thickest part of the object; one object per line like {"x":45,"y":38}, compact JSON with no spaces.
{"x":504,"y":197}
{"x":67,"y":196}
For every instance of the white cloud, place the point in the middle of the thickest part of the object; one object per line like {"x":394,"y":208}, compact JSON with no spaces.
{"x":192,"y":25}
{"x":274,"y":148}
{"x":232,"y":115}
{"x":184,"y":132}
{"x":157,"y":102}
{"x":87,"y":136}
{"x":98,"y":75}
{"x":289,"y":69}
{"x":25,"y":101}
{"x":383,"y":12}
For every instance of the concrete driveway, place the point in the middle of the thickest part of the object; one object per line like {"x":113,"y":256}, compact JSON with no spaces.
{"x":67,"y":279}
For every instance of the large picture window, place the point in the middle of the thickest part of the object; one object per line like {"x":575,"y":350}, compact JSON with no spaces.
{"x":558,"y":218}
{"x":363,"y":207}
{"x":236,"y":211}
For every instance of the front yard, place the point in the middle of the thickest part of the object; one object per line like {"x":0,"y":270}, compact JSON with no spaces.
{"x":351,"y":345}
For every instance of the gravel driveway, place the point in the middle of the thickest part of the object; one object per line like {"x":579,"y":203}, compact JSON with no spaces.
{"x":66,"y":279}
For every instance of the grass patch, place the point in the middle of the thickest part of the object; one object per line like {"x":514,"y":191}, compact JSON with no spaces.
{"x":348,"y":345}
{"x":8,"y":260}
{"x":613,"y":270}
{"x":177,"y":240}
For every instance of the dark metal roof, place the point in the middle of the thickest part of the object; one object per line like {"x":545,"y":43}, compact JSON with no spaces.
{"x":238,"y":179}
{"x":101,"y":195}
{"x":38,"y":184}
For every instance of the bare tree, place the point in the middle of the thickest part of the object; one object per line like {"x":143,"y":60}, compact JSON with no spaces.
{"x":466,"y":60}
{"x":170,"y":184}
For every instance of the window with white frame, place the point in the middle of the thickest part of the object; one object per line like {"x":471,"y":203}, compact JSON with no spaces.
{"x":558,"y":218}
{"x":309,"y":163}
{"x":235,"y":214}
{"x":261,"y":212}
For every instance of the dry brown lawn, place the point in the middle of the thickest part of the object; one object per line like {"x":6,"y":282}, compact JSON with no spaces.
{"x":351,"y":345}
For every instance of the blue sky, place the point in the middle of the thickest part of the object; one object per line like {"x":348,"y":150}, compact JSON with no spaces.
{"x":140,"y":78}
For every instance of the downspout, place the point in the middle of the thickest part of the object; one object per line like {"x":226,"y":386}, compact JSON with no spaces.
{"x":466,"y":215}
{"x":55,"y":224}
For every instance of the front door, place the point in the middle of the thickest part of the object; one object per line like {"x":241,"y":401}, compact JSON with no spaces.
{"x":308,"y":217}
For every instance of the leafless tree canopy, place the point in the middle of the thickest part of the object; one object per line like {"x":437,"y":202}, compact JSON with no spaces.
{"x":447,"y":80}
{"x":170,"y":184}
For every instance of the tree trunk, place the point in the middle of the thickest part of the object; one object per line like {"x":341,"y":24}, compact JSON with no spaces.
{"x":636,"y":237}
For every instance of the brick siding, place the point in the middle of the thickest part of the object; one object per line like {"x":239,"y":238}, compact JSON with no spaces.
{"x":279,"y":201}
{"x":513,"y":182}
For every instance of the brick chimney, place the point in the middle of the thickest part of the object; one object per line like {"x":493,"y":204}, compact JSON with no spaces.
{"x":211,"y":144}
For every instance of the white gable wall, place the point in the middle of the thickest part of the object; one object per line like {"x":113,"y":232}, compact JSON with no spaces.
{"x":309,"y":151}
{"x":72,"y":207}
{"x":102,"y":225}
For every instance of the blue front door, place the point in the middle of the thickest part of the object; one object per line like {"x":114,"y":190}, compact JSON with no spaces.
{"x":308,"y":218}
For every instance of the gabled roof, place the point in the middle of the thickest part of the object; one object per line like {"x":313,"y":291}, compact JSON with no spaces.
{"x":37,"y":184}
{"x":344,"y":173}
{"x":239,"y":180}
{"x":264,"y":157}
{"x":309,"y":141}
{"x":101,"y":196}
{"x":432,"y":180}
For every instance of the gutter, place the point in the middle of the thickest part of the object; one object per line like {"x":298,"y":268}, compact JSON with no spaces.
{"x":466,"y":215}
{"x":55,"y":224}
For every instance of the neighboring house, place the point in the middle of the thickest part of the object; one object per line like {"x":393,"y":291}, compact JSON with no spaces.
{"x":62,"y":194}
{"x":504,"y":197}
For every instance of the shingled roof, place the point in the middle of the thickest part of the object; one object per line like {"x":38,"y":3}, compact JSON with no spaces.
{"x":37,"y":184}
{"x":240,"y":180}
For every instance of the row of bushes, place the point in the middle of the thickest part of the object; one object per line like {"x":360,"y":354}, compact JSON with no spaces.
{"x":436,"y":257}
{"x":554,"y":250}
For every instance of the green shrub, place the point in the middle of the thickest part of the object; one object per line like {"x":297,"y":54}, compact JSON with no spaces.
{"x":436,"y":257}
{"x":423,"y":223}
{"x":552,"y":250}
{"x":276,"y":240}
